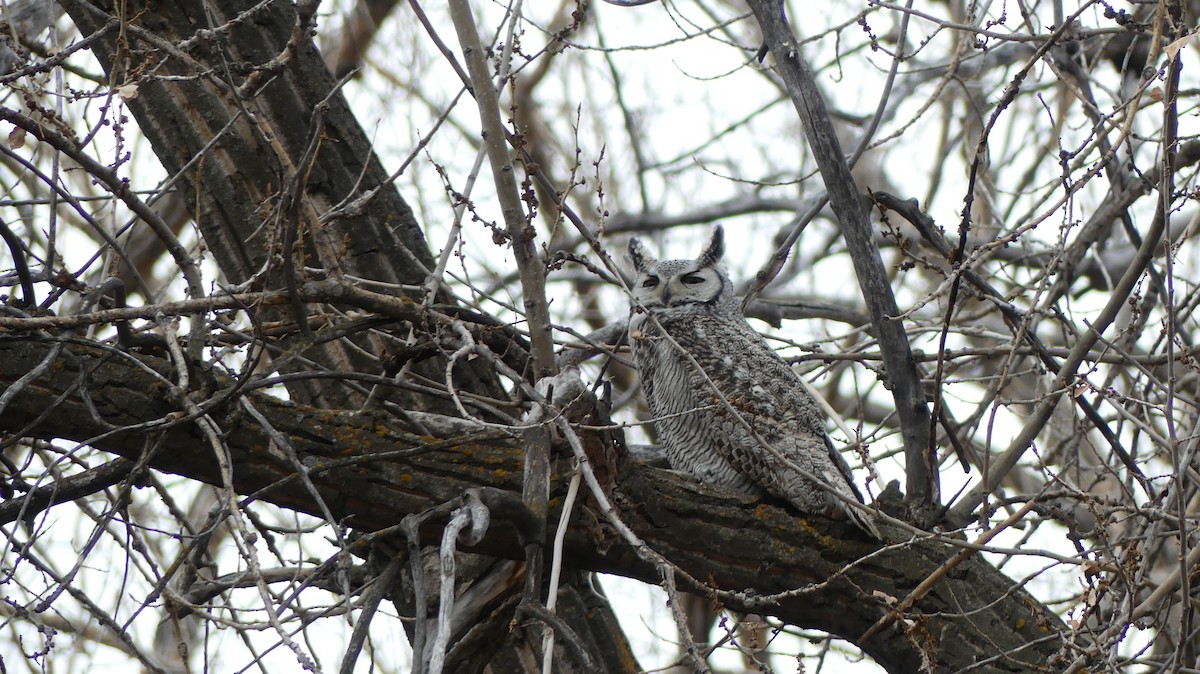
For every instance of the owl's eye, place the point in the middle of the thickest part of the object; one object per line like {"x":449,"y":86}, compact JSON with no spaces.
{"x":650,"y":282}
{"x":693,"y":279}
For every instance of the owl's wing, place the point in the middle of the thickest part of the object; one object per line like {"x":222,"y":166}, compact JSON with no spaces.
{"x":807,"y":424}
{"x":776,"y":410}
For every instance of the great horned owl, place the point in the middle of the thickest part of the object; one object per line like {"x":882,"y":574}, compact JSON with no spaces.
{"x":776,"y":443}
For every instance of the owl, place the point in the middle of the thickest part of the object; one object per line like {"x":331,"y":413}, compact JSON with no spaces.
{"x":728,"y":409}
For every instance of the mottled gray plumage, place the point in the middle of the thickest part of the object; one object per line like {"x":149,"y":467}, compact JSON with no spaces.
{"x":694,"y":302}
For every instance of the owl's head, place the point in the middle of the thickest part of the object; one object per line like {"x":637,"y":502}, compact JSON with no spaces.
{"x":665,"y":284}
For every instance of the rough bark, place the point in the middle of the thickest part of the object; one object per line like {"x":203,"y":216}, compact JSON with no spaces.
{"x":250,"y":122}
{"x":371,"y":472}
{"x":254,"y":159}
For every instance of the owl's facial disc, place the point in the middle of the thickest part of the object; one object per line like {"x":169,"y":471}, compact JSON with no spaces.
{"x":669,"y":284}
{"x":698,"y":286}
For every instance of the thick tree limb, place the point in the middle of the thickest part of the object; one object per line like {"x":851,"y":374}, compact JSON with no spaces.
{"x":371,"y":472}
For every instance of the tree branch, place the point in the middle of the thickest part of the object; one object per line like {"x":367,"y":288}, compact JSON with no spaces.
{"x":902,"y":377}
{"x":808,"y":571}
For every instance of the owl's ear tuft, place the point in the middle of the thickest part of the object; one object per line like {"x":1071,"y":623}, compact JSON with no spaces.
{"x":639,"y":256}
{"x":715,"y":250}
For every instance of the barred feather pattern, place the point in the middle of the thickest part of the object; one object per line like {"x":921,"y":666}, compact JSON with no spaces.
{"x":742,"y":419}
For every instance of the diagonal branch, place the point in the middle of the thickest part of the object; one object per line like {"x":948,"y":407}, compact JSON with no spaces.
{"x":854,"y":218}
{"x":520,"y":230}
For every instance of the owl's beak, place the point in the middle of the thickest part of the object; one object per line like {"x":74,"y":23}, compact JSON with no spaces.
{"x":666,"y":296}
